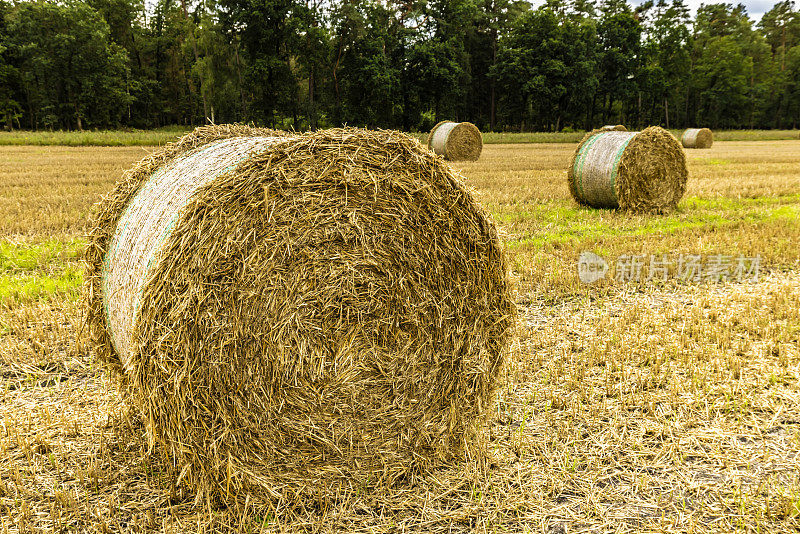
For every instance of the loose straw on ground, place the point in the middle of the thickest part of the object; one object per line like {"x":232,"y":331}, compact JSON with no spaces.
{"x":637,"y":171}
{"x":456,"y":141}
{"x":697,"y":138}
{"x":299,"y":316}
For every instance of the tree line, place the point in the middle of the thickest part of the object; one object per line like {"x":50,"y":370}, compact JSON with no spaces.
{"x":502,"y":64}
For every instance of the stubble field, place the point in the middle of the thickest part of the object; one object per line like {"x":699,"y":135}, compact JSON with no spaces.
{"x":627,"y":406}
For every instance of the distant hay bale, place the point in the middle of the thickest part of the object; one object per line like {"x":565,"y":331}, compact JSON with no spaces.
{"x":613,"y":128}
{"x":456,"y":141}
{"x":637,"y":171}
{"x":297,"y":316}
{"x":697,"y":138}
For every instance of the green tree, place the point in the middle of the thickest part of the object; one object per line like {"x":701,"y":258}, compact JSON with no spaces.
{"x":215,"y":69}
{"x":666,"y":61}
{"x":10,"y":110}
{"x":732,"y":76}
{"x":367,"y":71}
{"x":173,"y":52}
{"x":545,"y":67}
{"x":619,"y":59}
{"x":492,"y":22}
{"x":722,"y":75}
{"x":780,"y":27}
{"x":438,"y":63}
{"x":73,"y":75}
{"x":266,"y":29}
{"x":792,"y":93}
{"x":314,"y":55}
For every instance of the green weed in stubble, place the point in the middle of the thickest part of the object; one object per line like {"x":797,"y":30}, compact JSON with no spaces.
{"x":24,"y":256}
{"x":16,"y":289}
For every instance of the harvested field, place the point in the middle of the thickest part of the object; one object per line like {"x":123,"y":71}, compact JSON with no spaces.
{"x":160,"y":137}
{"x":626,"y":407}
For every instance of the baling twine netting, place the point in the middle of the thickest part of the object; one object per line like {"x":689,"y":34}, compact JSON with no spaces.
{"x":637,"y":171}
{"x":456,"y":141}
{"x":299,"y":316}
{"x":149,"y":220}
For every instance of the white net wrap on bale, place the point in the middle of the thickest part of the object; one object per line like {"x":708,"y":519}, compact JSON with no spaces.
{"x":298,"y":317}
{"x":149,"y":220}
{"x":689,"y":137}
{"x":596,"y":167}
{"x":439,"y":137}
{"x":697,"y":138}
{"x":637,"y":171}
{"x":456,"y":141}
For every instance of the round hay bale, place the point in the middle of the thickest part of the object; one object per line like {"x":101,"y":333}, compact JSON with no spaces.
{"x":298,"y":316}
{"x":637,"y":171}
{"x":613,"y":128}
{"x":697,"y":138}
{"x":456,"y":141}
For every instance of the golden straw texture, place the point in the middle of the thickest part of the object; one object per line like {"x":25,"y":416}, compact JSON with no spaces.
{"x":327,"y":312}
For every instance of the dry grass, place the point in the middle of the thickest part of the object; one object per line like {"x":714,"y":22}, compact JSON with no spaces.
{"x":170,"y":134}
{"x":643,"y":412}
{"x":626,"y":408}
{"x":741,"y":198}
{"x":48,"y":191}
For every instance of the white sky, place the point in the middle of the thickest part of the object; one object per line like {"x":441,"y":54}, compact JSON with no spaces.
{"x":755,"y":8}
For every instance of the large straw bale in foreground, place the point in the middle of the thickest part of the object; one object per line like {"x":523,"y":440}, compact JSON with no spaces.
{"x":697,"y":138}
{"x":637,"y":171}
{"x":456,"y":141}
{"x":299,"y":315}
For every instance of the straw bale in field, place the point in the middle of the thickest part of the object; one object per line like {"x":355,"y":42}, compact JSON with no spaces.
{"x":456,"y":141}
{"x":299,"y":315}
{"x":697,"y":138}
{"x":636,"y":171}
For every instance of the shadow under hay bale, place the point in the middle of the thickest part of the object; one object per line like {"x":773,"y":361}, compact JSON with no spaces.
{"x":697,"y":138}
{"x":613,"y":128}
{"x":456,"y":141}
{"x":636,"y":171}
{"x":299,"y":316}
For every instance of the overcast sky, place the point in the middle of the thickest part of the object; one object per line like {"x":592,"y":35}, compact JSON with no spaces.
{"x":755,"y":8}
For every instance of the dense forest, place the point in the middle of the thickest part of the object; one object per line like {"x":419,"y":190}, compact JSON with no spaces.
{"x":504,"y":65}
